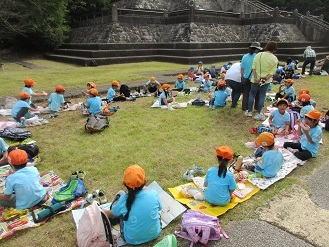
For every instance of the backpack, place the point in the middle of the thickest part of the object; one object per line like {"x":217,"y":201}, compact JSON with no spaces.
{"x":263,"y":128}
{"x":198,"y":102}
{"x":200,"y":228}
{"x":96,"y":123}
{"x":75,"y":188}
{"x":15,"y":133}
{"x":167,"y":241}
{"x":94,"y":228}
{"x":125,"y":90}
{"x":31,"y":149}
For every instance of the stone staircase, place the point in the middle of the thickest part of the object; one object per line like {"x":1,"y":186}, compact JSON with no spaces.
{"x":184,"y":53}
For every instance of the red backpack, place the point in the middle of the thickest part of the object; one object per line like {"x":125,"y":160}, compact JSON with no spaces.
{"x":94,"y":228}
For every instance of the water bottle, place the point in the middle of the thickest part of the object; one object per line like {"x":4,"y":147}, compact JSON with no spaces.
{"x":198,"y":97}
{"x":23,"y":121}
{"x":47,"y":212}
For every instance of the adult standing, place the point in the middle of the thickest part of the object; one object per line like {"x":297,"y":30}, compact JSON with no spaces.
{"x":246,"y":73}
{"x":233,"y":80}
{"x":263,"y":67}
{"x":310,"y":57}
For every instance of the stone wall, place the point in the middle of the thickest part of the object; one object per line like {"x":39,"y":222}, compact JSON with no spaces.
{"x":185,"y":32}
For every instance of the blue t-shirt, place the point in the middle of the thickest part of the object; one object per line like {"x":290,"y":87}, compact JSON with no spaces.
{"x":180,"y":84}
{"x":270,"y":163}
{"x":291,"y":91}
{"x":316,"y":135}
{"x":246,"y":64}
{"x":304,"y":111}
{"x":110,"y":94}
{"x":56,"y":100}
{"x":218,"y":190}
{"x":152,"y":85}
{"x":143,"y":224}
{"x":207,"y":85}
{"x":165,"y":95}
{"x":220,"y":98}
{"x":26,"y":185}
{"x":18,"y":106}
{"x":94,"y":104}
{"x":279,"y":120}
{"x":30,"y":92}
{"x":3,"y":146}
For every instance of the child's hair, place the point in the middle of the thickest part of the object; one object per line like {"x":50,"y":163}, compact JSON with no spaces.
{"x":131,"y":198}
{"x":306,"y":103}
{"x":222,"y":167}
{"x":221,"y":88}
{"x":18,"y":167}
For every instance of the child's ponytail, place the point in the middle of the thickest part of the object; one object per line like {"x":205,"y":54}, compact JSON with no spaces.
{"x":222,"y":167}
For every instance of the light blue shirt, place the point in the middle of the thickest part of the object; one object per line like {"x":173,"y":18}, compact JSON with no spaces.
{"x":270,"y":163}
{"x":110,"y":94}
{"x":143,"y":224}
{"x":180,"y":84}
{"x":163,"y":95}
{"x":94,"y":104}
{"x":289,"y":90}
{"x":316,"y":135}
{"x":279,"y":120}
{"x":56,"y":100}
{"x":26,"y":185}
{"x":218,"y":190}
{"x":220,"y":98}
{"x":30,"y":92}
{"x":18,"y":106}
{"x":153,"y":85}
{"x":246,"y":64}
{"x":304,"y":111}
{"x":3,"y":146}
{"x":207,"y":85}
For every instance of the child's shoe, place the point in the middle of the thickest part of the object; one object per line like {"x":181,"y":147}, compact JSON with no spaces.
{"x":188,"y":175}
{"x":101,"y":196}
{"x":197,"y":169}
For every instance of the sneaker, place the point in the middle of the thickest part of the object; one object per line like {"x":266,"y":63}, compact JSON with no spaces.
{"x":247,"y":113}
{"x":188,"y":175}
{"x":260,"y":117}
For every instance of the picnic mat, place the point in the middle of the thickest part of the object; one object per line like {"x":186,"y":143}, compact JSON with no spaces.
{"x":51,"y":182}
{"x":174,"y":105}
{"x":245,"y":191}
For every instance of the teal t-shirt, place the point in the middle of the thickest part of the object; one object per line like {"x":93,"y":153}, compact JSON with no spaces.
{"x":316,"y":135}
{"x":270,"y":163}
{"x":94,"y":104}
{"x":56,"y":100}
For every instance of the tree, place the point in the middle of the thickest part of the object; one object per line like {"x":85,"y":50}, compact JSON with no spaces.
{"x":36,"y":23}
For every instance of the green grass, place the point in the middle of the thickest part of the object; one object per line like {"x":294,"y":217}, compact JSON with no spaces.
{"x":164,"y":143}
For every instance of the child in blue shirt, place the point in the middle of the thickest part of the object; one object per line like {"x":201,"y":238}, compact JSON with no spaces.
{"x":112,"y":96}
{"x":288,"y":91}
{"x":206,"y":83}
{"x":23,"y":189}
{"x":280,"y":119}
{"x":304,"y":100}
{"x":22,"y":108}
{"x":152,"y":86}
{"x":90,"y":85}
{"x":180,"y":83}
{"x":3,"y":152}
{"x":28,"y":84}
{"x":272,"y":158}
{"x":219,"y":97}
{"x":165,"y":97}
{"x":311,"y":134}
{"x":56,"y":100}
{"x":219,"y":182}
{"x":139,"y":208}
{"x":94,"y":103}
{"x":213,"y":71}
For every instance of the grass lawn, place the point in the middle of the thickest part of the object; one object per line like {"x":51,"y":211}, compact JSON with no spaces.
{"x":164,"y":143}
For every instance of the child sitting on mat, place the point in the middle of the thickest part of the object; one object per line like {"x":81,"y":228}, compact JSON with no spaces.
{"x":94,"y":103}
{"x":288,"y":91}
{"x":56,"y":101}
{"x":280,"y":119}
{"x":219,"y":97}
{"x":271,"y":160}
{"x":180,"y":83}
{"x":90,"y":85}
{"x":152,"y":86}
{"x":3,"y":152}
{"x":22,"y":108}
{"x":28,"y":84}
{"x":23,"y":189}
{"x":311,"y":134}
{"x":139,"y":208}
{"x":304,"y":101}
{"x":165,"y":97}
{"x":112,"y":96}
{"x":219,"y":182}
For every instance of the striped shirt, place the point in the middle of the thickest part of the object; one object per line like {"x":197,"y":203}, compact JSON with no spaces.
{"x":309,"y":53}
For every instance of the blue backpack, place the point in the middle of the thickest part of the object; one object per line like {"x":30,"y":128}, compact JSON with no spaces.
{"x":75,"y":188}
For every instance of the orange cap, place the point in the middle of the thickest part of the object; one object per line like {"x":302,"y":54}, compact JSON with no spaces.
{"x":165,"y":86}
{"x":304,"y":91}
{"x":115,"y":83}
{"x":314,"y":114}
{"x":60,"y":88}
{"x":282,"y":100}
{"x":18,"y":157}
{"x":304,"y":97}
{"x":180,"y":76}
{"x":91,"y":84}
{"x":291,"y":81}
{"x":134,"y":176}
{"x":152,"y":79}
{"x":93,"y":91}
{"x":265,"y":139}
{"x":225,"y":152}
{"x":24,"y":95}
{"x":221,"y":83}
{"x":29,"y":82}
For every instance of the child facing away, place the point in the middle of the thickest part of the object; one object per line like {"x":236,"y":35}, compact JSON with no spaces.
{"x":28,"y":84}
{"x":311,"y":134}
{"x":94,"y":102}
{"x":22,"y":109}
{"x":219,"y":182}
{"x":180,"y":84}
{"x":304,"y":100}
{"x":90,"y":85}
{"x":23,"y":189}
{"x":280,"y":119}
{"x":287,"y":92}
{"x":307,"y":91}
{"x":152,"y":86}
{"x":165,"y":97}
{"x":219,"y":97}
{"x":139,"y":208}
{"x":272,"y":158}
{"x":3,"y":152}
{"x":56,"y":101}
